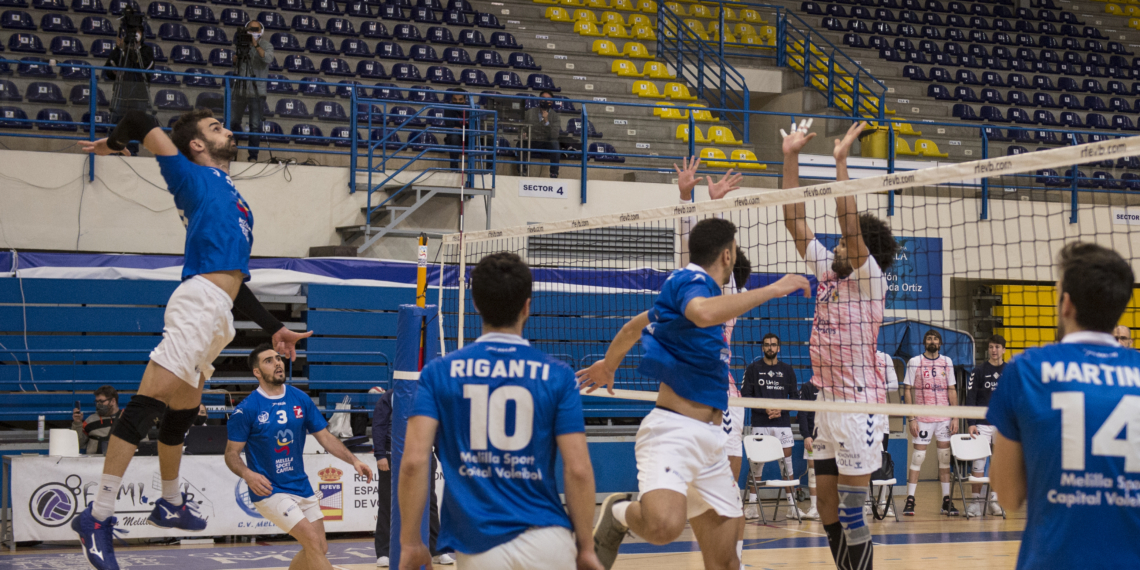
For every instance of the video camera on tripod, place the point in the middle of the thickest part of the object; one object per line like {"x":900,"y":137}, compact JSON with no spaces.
{"x":132,"y":25}
{"x":243,"y":40}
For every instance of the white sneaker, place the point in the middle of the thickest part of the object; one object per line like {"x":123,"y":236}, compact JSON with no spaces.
{"x":995,"y":508}
{"x":751,"y":513}
{"x":793,"y":510}
{"x":382,"y":562}
{"x":811,"y":515}
{"x":974,"y":510}
{"x":444,"y":559}
{"x":890,"y":509}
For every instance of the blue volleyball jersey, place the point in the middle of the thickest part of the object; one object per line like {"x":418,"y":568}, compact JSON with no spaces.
{"x":1075,"y":409}
{"x":693,"y":361}
{"x":273,"y":430}
{"x":500,"y":405}
{"x":219,"y":223}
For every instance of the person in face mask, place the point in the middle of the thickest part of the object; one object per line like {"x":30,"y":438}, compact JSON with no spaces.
{"x":249,"y":95}
{"x":544,"y":131}
{"x":94,"y":432}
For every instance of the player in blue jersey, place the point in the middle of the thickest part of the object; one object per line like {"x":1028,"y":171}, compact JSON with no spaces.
{"x":270,"y":426}
{"x":502,"y":410}
{"x":1067,"y":416}
{"x":683,"y":472}
{"x":194,"y":161}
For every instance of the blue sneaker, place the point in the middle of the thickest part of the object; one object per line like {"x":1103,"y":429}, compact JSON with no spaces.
{"x":97,"y":538}
{"x":184,"y":516}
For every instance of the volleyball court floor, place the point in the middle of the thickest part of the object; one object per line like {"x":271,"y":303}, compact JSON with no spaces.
{"x":927,"y":541}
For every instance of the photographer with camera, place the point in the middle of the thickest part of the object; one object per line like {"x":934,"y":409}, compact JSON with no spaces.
{"x":132,"y":89}
{"x":544,"y":131}
{"x":253,"y":54}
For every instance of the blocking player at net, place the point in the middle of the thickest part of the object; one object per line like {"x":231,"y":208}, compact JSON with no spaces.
{"x":503,"y":411}
{"x":929,"y":381}
{"x":1066,"y":418}
{"x":979,"y":390}
{"x":683,"y":472}
{"x":198,"y":323}
{"x":850,"y":300}
{"x":270,"y":426}
{"x":770,"y":377}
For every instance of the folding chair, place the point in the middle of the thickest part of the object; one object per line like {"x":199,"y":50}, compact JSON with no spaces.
{"x":762,"y":449}
{"x":966,"y":450}
{"x":873,"y":501}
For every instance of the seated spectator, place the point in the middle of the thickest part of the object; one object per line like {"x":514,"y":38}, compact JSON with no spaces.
{"x":96,"y":430}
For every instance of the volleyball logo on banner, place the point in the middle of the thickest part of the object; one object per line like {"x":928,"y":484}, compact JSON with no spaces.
{"x":332,"y":493}
{"x":53,"y":504}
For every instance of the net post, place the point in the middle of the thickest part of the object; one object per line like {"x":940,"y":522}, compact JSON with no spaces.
{"x":1073,"y":196}
{"x":985,"y":180}
{"x":413,"y":350}
{"x":462,"y":309}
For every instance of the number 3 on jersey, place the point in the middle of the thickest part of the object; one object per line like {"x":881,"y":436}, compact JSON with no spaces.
{"x":1126,"y":417}
{"x":489,"y":416}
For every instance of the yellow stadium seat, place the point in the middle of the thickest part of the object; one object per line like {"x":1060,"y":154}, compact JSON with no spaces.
{"x":758,"y":42}
{"x":744,"y":159}
{"x":571,"y":2}
{"x":715,"y":158}
{"x":599,"y":4}
{"x":696,"y":26}
{"x":730,"y":15}
{"x":678,"y":91}
{"x":1132,"y":10}
{"x":753,"y":17}
{"x":646,"y":89}
{"x":675,"y":8}
{"x":702,"y":116}
{"x":723,"y":135}
{"x":683,"y":134}
{"x":626,"y":5}
{"x":605,"y":47}
{"x":584,"y":15}
{"x":612,"y":18}
{"x":902,"y":148}
{"x":699,"y":11}
{"x":635,"y":50}
{"x":847,"y":84}
{"x":926,"y":147}
{"x":585,"y":28}
{"x":1134,"y":23}
{"x":744,"y":30}
{"x":906,"y":129}
{"x":647,"y":6}
{"x":644,"y":33}
{"x":672,"y":113}
{"x":624,"y":68}
{"x":657,"y":70}
{"x":547,"y":2}
{"x":615,"y":31}
{"x":662,"y":108}
{"x":819,"y":81}
{"x":1113,"y":9}
{"x":728,"y":38}
{"x":769,"y":34}
{"x":558,"y":14}
{"x":639,"y":20}
{"x":713,"y":28}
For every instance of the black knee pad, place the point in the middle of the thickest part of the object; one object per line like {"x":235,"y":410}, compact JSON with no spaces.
{"x":172,"y":430}
{"x":137,"y":418}
{"x":826,"y":467}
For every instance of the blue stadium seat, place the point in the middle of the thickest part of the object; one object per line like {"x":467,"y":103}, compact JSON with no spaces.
{"x":505,"y":40}
{"x":340,"y":27}
{"x":422,"y":94}
{"x":371,"y":70}
{"x":914,"y":73}
{"x":407,"y":33}
{"x":215,"y":102}
{"x":423,"y":52}
{"x":489,"y":58}
{"x":34,"y":66}
{"x":54,"y":120}
{"x":457,"y":56}
{"x":1015,"y":150}
{"x":45,"y":92}
{"x":967,"y":77}
{"x":993,"y":79}
{"x":402,"y":116}
{"x":508,"y":80}
{"x":74,"y":70}
{"x":172,"y":32}
{"x":964,"y":112}
{"x":1050,"y":177}
{"x":314,"y":87}
{"x":574,"y":129}
{"x":336,"y":66}
{"x":1047,"y":29}
{"x":163,"y":11}
{"x":1095,"y":45}
{"x":435,"y":118}
{"x":854,"y":40}
{"x":1130,"y":181}
{"x":422,"y":140}
{"x":903,"y":44}
{"x":965,"y":94}
{"x":163,"y":78}
{"x":1116,"y":88}
{"x":460,"y":6}
{"x":394,"y":13}
{"x":406,"y":72}
{"x":475,"y":78}
{"x":222,"y":57}
{"x":25,"y":43}
{"x":202,"y":78}
{"x":939,"y":92}
{"x":1071,"y":119}
{"x":1123,"y":122}
{"x":273,"y":21}
{"x":256,"y":4}
{"x":354,"y":48}
{"x":284,"y":41}
{"x":171,"y":100}
{"x":322,"y":45}
{"x":390,"y":137}
{"x":956,"y":21}
{"x":1069,"y":84}
{"x":1093,"y":86}
{"x":59,"y":23}
{"x":990,"y":95}
{"x":472,"y":38}
{"x":456,"y":18}
{"x":299,"y":64}
{"x":14,"y":118}
{"x":278,"y":85}
{"x":329,"y":111}
{"x":306,"y":23}
{"x":374,"y":30}
{"x":1045,"y":100}
{"x":908,"y":31}
{"x":424,"y":16}
{"x":1096,"y":121}
{"x":885,"y":15}
{"x":235,"y":17}
{"x":307,"y":134}
{"x":186,"y":55}
{"x":441,"y":35}
{"x":1019,"y":116}
{"x":359,"y":9}
{"x":994,"y":134}
{"x":489,"y":21}
{"x":520,"y":60}
{"x":117,"y":6}
{"x":1045,"y":118}
{"x":328,"y":7}
{"x":1119,"y":105}
{"x":212,"y":35}
{"x":1070,"y":101}
{"x":811,"y":8}
{"x":836,"y":10}
{"x":882,"y":28}
{"x":1044,"y":83}
{"x":200,"y":14}
{"x":940,"y":74}
{"x":292,"y":108}
{"x":292,"y":6}
{"x":992,"y":114}
{"x":345,"y":87}
{"x":342,"y":136}
{"x":1118,"y":48}
{"x":271,"y":133}
{"x":604,"y":152}
{"x":1107,"y":181}
{"x":542,"y":82}
{"x":87,"y":6}
{"x":102,"y":121}
{"x":978,"y":51}
{"x":443,"y":75}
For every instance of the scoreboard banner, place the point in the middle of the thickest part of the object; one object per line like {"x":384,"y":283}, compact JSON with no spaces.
{"x":48,"y":492}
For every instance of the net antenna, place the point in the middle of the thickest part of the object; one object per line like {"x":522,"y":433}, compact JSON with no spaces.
{"x":593,"y":274}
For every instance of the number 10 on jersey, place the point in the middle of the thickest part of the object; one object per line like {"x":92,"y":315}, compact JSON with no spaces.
{"x":489,"y":416}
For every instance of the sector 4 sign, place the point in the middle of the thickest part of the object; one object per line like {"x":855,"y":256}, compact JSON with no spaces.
{"x":543,"y":188}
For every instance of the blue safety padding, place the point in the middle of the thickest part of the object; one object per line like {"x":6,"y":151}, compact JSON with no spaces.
{"x":374,"y":375}
{"x":82,"y":319}
{"x":903,"y":339}
{"x":135,"y":348}
{"x":87,"y":291}
{"x":365,"y":298}
{"x":385,"y":346}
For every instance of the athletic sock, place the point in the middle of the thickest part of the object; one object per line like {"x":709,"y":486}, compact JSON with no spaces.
{"x":856,"y":533}
{"x":791,"y":499}
{"x":170,"y":492}
{"x":976,"y":495}
{"x":910,"y":487}
{"x":945,"y":489}
{"x":619,"y":512}
{"x":105,"y":495}
{"x":740,"y":553}
{"x":813,"y":501}
{"x":837,"y":543}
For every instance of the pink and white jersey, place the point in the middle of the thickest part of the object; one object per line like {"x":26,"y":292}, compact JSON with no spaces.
{"x":931,"y":379}
{"x":733,"y":391}
{"x":845,"y":334}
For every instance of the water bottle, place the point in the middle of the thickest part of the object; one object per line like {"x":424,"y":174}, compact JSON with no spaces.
{"x":40,"y":428}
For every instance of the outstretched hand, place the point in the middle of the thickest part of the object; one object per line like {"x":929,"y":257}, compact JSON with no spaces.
{"x":285,"y":342}
{"x":727,"y":183}
{"x":843,"y":146}
{"x":596,"y":376}
{"x":687,"y":176}
{"x":799,"y":137}
{"x":789,"y":284}
{"x":100,"y":148}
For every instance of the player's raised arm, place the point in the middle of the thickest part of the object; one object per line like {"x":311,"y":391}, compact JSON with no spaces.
{"x":686,"y":182}
{"x":712,"y":311}
{"x":846,"y":209}
{"x":135,"y":126}
{"x":795,"y":215}
{"x":601,"y":373}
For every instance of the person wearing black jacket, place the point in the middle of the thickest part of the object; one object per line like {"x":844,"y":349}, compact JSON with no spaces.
{"x":133,"y":92}
{"x":771,"y":377}
{"x":459,"y":120}
{"x":807,"y":429}
{"x":980,"y":388}
{"x":382,"y":450}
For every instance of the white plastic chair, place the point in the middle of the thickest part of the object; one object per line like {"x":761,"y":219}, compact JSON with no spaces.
{"x":880,"y":486}
{"x":968,"y":449}
{"x":762,"y":449}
